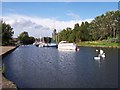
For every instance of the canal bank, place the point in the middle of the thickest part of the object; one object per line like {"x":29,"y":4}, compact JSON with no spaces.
{"x":102,"y":44}
{"x":5,"y":83}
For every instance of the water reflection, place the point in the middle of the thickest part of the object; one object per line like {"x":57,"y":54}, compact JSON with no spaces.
{"x":34,"y":67}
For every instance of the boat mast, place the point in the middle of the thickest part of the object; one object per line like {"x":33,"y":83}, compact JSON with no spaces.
{"x":58,"y":38}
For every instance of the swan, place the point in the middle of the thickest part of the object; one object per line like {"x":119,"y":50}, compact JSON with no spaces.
{"x":97,"y":58}
{"x":101,"y":51}
{"x":103,"y":55}
{"x":78,"y":49}
{"x":96,"y":50}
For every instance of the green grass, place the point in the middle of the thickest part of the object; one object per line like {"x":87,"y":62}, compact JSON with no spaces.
{"x":98,"y":43}
{"x":3,"y":68}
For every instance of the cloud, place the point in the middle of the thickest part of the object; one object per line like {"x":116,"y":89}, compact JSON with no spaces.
{"x":74,"y":16}
{"x":37,"y":26}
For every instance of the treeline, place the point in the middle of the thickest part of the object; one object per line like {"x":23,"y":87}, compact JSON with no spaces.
{"x":102,"y":27}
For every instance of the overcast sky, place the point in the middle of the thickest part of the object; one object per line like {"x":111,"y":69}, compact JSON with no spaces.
{"x":40,"y":18}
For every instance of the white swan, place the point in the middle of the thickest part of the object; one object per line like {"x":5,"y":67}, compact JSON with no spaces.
{"x":101,"y":51}
{"x":97,"y":58}
{"x":103,"y":55}
{"x":96,"y":50}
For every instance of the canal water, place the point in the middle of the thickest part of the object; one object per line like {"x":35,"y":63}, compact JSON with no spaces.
{"x":35,"y":67}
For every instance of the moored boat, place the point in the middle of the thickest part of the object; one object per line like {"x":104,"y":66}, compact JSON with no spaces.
{"x":36,"y":43}
{"x":64,"y":45}
{"x":52,"y":45}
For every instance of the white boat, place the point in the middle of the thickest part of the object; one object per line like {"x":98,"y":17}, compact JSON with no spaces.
{"x":45,"y":45}
{"x":64,"y":45}
{"x":36,"y":43}
{"x":41,"y":44}
{"x":52,"y":45}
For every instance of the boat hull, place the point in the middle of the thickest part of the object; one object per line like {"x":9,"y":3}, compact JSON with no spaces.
{"x":64,"y":48}
{"x":52,"y":45}
{"x":67,"y":46}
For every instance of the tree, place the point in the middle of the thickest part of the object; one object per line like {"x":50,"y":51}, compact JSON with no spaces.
{"x":6,"y":33}
{"x":47,"y":39}
{"x":101,"y":28}
{"x":106,"y":26}
{"x":31,"y":40}
{"x":25,"y":39}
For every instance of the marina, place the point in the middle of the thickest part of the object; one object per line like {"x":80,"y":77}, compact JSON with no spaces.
{"x":59,"y":45}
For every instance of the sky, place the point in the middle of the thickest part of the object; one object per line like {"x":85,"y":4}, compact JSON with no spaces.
{"x":40,"y":18}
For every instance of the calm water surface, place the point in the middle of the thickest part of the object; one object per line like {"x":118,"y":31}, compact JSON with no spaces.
{"x":34,"y":67}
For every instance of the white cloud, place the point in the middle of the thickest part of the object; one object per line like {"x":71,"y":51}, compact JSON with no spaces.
{"x":37,"y":26}
{"x":74,"y":16}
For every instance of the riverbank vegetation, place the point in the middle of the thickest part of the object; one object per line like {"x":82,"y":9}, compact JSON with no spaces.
{"x":98,"y":44}
{"x":104,"y":29}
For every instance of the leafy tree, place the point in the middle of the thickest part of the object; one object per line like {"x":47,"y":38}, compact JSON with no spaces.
{"x":102,"y":27}
{"x":6,"y":32}
{"x":31,"y":40}
{"x":25,"y":39}
{"x":47,"y":39}
{"x":105,"y":26}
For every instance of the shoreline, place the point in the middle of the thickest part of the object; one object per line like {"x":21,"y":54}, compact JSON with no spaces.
{"x":102,"y":44}
{"x":98,"y":46}
{"x":5,"y":50}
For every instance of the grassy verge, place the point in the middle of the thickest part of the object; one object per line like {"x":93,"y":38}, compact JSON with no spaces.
{"x":3,"y":69}
{"x":5,"y":82}
{"x":98,"y":44}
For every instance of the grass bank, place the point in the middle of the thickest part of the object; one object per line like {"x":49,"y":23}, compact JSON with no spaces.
{"x":99,"y":44}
